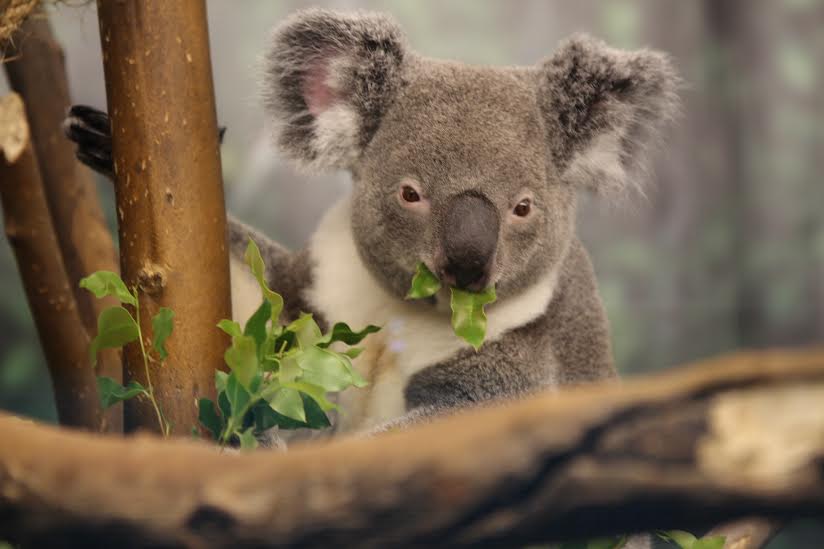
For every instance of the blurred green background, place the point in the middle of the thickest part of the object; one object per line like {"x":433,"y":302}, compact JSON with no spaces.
{"x":727,"y":249}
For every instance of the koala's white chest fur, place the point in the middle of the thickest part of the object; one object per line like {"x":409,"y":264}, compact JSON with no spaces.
{"x":414,"y":335}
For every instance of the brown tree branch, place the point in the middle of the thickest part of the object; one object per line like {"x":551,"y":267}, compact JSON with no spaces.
{"x":31,"y":234}
{"x":170,"y":204}
{"x":736,"y":436}
{"x":37,"y":72}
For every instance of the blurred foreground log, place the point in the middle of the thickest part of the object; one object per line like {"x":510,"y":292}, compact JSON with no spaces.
{"x":741,"y":435}
{"x":753,"y":533}
{"x":36,"y":70}
{"x":30,"y":232}
{"x":171,"y":213}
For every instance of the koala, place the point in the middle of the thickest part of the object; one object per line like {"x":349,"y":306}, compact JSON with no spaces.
{"x":472,"y":170}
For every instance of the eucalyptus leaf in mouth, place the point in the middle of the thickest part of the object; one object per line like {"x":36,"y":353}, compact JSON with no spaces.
{"x":468,"y":316}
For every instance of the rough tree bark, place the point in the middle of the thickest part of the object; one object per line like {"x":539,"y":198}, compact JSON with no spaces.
{"x":36,"y":70}
{"x":736,"y":436}
{"x":170,"y":207}
{"x":30,"y":232}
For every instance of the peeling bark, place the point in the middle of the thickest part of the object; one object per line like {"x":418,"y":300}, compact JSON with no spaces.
{"x":30,"y":232}
{"x":171,"y":212}
{"x":591,"y":461}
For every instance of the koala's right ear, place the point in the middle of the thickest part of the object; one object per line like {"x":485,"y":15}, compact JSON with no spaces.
{"x":329,"y":79}
{"x":602,"y":109}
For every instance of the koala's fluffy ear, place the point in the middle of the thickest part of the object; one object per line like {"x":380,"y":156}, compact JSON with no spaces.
{"x":329,"y":79}
{"x":602,"y":107}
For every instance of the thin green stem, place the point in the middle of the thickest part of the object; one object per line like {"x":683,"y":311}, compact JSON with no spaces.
{"x":230,"y":422}
{"x":164,"y":428}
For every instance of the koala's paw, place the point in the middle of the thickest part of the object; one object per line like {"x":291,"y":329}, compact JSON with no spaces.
{"x":90,"y":130}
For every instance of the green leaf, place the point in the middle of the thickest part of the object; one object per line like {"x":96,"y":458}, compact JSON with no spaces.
{"x":306,"y":330}
{"x":162,"y":325}
{"x":286,"y":401}
{"x":315,"y":392}
{"x":357,"y":379}
{"x":242,"y":359}
{"x":220,"y":380}
{"x":424,"y":283}
{"x":324,"y":368}
{"x":115,"y":328}
{"x":208,"y":417}
{"x":266,"y":418}
{"x":105,"y":283}
{"x":315,"y":417}
{"x":342,"y":332}
{"x":224,"y":404}
{"x":237,"y":396}
{"x":289,"y":370}
{"x":468,"y":316}
{"x":258,"y":268}
{"x":256,"y":325}
{"x":111,"y":392}
{"x":230,"y":327}
{"x":247,"y":439}
{"x":353,"y":352}
{"x":284,"y":342}
{"x":710,"y":542}
{"x":683,"y":539}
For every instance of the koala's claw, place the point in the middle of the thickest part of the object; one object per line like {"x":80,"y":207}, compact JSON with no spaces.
{"x":90,"y":130}
{"x":94,"y":118}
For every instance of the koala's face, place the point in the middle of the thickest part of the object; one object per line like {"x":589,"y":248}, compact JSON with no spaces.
{"x":458,"y":176}
{"x":472,"y":170}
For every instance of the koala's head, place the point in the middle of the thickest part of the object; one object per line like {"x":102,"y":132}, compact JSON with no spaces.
{"x":473,"y":170}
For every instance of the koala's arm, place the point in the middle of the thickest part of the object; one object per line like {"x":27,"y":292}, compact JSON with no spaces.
{"x":288,"y":272}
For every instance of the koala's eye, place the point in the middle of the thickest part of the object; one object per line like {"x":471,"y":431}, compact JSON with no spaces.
{"x":523,"y":208}
{"x":409,"y":194}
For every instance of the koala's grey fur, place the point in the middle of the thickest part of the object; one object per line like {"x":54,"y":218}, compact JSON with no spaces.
{"x":580,"y":119}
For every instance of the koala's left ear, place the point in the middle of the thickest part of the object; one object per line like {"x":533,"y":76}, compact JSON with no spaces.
{"x":602,"y":107}
{"x":329,"y":79}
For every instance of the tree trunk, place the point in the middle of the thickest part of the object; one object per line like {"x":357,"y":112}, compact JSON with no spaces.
{"x":171,"y":213}
{"x":30,"y":232}
{"x":37,"y":72}
{"x":736,"y":436}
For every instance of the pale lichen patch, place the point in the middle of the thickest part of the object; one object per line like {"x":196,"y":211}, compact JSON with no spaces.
{"x":766,"y":435}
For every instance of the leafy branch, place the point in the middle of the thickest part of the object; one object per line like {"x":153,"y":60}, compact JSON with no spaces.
{"x":279,"y":375}
{"x":117,"y":327}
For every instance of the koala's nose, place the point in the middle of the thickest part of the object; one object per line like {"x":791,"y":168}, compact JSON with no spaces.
{"x":469,"y":238}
